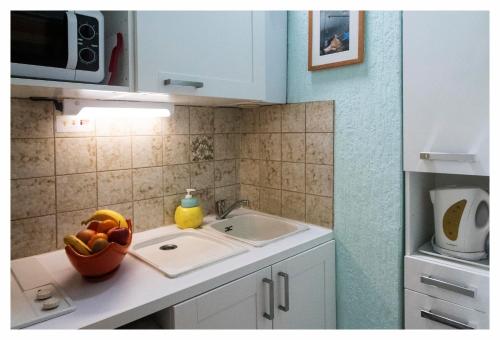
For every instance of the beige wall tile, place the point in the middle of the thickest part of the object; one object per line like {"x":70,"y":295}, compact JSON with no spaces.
{"x":250,"y":193}
{"x":147,"y":151}
{"x":226,"y":120}
{"x":202,"y":175}
{"x":75,"y":192}
{"x":176,"y":149}
{"x":293,"y":205}
{"x":270,"y":201}
{"x":75,"y":155}
{"x":201,"y":120}
{"x":114,"y":153}
{"x":319,"y":179}
{"x":32,"y":157}
{"x":31,"y":119}
{"x":71,"y":223}
{"x":249,"y":120}
{"x":207,"y":200}
{"x":147,"y":183}
{"x":202,"y":148}
{"x":250,"y":145}
{"x":270,"y":174}
{"x":145,"y":126}
{"x":294,"y":117}
{"x":225,"y":173}
{"x":126,"y":209}
{"x":270,"y":146}
{"x":270,"y":118}
{"x":176,"y":179}
{"x":32,"y":197}
{"x":110,"y":126}
{"x":114,"y":187}
{"x":178,"y":122}
{"x":293,"y":147}
{"x":319,"y":148}
{"x":226,"y":146}
{"x":319,"y":210}
{"x":229,"y":193}
{"x":293,"y":176}
{"x":249,"y":171}
{"x":32,"y":236}
{"x":148,"y":214}
{"x":319,"y":116}
{"x":170,"y":203}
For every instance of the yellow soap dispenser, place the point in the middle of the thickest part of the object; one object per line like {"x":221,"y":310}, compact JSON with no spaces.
{"x":189,"y":214}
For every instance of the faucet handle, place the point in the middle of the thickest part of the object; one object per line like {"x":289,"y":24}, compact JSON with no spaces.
{"x":220,"y":205}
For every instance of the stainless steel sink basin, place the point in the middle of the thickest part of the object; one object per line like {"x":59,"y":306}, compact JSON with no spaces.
{"x":257,"y":230}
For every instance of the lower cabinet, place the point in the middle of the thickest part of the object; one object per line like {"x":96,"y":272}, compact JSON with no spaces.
{"x":298,"y":292}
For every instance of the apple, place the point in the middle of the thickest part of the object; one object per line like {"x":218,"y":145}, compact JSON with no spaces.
{"x":118,"y":235}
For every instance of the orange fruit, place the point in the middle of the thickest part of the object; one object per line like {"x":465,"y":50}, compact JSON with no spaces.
{"x":85,"y":235}
{"x":93,"y":225}
{"x":105,"y":225}
{"x":97,"y":236}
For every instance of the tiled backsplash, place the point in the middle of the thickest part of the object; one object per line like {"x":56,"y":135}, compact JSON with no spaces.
{"x":141,"y":167}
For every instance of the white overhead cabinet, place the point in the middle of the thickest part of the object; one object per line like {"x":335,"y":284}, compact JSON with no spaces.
{"x":237,"y":55}
{"x":295,"y":293}
{"x":446,"y":92}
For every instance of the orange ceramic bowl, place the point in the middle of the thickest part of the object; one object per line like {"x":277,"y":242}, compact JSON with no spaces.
{"x":100,"y":263}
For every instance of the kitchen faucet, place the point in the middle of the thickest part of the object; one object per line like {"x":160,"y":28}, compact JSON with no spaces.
{"x":221,"y":204}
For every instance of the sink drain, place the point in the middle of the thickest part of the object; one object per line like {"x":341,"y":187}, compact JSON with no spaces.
{"x":168,"y":247}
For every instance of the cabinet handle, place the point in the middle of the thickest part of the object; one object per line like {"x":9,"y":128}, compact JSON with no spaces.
{"x":444,"y":320}
{"x":195,"y":84}
{"x":448,"y":286}
{"x":448,"y":157}
{"x":270,"y":316}
{"x":286,"y":307}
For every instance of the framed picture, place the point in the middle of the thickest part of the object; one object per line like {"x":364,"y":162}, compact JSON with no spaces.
{"x":336,"y":38}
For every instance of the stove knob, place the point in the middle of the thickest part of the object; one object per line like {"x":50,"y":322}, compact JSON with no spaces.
{"x":87,"y":55}
{"x":86,"y":31}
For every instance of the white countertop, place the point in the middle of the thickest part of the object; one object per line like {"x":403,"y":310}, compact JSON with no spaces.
{"x":137,"y":289}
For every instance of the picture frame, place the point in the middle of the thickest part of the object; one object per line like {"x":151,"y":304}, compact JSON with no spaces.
{"x":336,"y":38}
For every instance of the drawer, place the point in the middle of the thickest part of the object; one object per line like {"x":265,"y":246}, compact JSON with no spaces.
{"x":425,"y":312}
{"x":460,"y":284}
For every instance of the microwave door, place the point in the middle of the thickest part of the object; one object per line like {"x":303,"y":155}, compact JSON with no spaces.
{"x":44,"y":44}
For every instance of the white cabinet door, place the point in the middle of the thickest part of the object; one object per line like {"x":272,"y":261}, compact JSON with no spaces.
{"x":230,"y":54}
{"x":446,"y":92}
{"x":240,"y":304}
{"x":305,"y":290}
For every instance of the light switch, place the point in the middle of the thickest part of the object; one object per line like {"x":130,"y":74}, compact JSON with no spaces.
{"x":73,"y":123}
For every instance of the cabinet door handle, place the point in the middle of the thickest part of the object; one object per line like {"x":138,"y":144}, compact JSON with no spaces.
{"x":270,"y":316}
{"x":448,"y":286}
{"x":448,"y":157}
{"x":195,"y":84}
{"x":444,"y":320}
{"x":286,"y":307}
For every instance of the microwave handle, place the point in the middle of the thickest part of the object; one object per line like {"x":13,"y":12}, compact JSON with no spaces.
{"x":72,"y":40}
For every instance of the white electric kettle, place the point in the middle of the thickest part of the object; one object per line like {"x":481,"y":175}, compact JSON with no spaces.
{"x":461,"y":221}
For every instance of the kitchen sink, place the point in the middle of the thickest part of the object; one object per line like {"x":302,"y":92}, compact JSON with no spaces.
{"x":180,"y":252}
{"x":257,"y":230}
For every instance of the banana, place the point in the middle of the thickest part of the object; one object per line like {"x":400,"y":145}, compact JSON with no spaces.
{"x":107,"y":214}
{"x":77,"y":244}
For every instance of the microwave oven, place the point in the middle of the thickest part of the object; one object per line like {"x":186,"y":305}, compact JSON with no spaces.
{"x":57,"y":45}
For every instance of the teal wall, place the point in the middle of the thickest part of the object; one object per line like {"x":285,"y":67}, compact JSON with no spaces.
{"x":368,"y":177}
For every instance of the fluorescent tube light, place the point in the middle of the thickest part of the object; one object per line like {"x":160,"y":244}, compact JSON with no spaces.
{"x":88,"y":109}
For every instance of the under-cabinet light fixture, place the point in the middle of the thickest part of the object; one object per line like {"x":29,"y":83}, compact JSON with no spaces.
{"x":88,"y":109}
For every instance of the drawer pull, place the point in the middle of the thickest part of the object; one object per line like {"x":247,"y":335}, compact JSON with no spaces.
{"x":270,"y":315}
{"x":448,"y":286}
{"x":195,"y":84}
{"x":448,"y":157}
{"x":286,"y":307}
{"x":444,"y":320}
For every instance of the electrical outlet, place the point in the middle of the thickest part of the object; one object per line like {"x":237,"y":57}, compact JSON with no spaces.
{"x":73,"y":123}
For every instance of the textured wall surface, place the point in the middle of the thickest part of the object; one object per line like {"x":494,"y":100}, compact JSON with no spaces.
{"x":368,"y":195}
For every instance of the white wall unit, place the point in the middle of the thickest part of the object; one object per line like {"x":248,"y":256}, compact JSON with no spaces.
{"x":259,"y":299}
{"x":446,"y":92}
{"x":239,"y":55}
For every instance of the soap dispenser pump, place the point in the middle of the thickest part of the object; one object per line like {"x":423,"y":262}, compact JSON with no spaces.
{"x":189,"y":214}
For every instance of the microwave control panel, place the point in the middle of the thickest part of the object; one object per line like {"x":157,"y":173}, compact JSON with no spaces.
{"x":88,"y":43}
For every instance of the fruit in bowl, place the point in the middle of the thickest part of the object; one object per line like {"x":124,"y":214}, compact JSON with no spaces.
{"x":101,"y":246}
